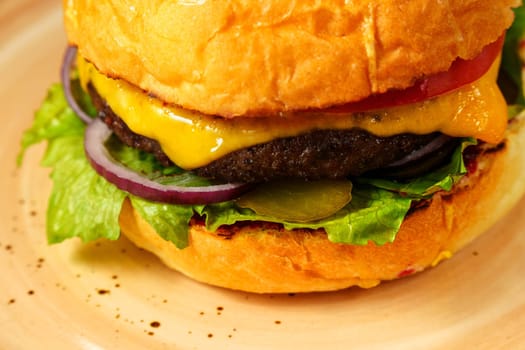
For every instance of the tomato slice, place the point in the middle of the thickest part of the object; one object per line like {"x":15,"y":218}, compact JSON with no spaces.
{"x":461,"y":72}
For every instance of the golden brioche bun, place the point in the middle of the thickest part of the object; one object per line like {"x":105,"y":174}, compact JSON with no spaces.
{"x":248,"y":57}
{"x":265,"y":258}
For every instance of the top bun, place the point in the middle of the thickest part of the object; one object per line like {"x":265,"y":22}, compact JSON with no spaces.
{"x":246,"y":57}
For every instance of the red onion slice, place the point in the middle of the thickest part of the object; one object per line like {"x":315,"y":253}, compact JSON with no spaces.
{"x":65,"y":75}
{"x":96,"y":135}
{"x":430,"y":147}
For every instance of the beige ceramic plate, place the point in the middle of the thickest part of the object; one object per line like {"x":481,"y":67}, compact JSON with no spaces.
{"x":112,"y":295}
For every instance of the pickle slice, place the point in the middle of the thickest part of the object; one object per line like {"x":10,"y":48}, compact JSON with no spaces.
{"x":298,"y":201}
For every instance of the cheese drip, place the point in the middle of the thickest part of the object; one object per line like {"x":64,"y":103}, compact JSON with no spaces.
{"x":192,"y":140}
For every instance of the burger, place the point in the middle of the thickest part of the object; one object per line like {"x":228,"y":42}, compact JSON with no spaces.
{"x":284,"y":146}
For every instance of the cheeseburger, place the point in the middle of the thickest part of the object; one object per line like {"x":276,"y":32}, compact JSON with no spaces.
{"x":285,"y":146}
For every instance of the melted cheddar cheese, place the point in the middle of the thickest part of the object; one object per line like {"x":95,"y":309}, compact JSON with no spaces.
{"x":192,"y":140}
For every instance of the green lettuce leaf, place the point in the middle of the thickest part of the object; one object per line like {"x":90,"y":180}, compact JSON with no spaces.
{"x":82,"y":204}
{"x":169,"y":220}
{"x":54,"y":119}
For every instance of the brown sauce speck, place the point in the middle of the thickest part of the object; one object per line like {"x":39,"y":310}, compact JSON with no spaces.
{"x":201,"y":313}
{"x":40,"y":261}
{"x":219,"y":310}
{"x":151,"y":333}
{"x":155,"y":324}
{"x":103,"y":291}
{"x":117,"y":285}
{"x":210,"y":335}
{"x":11,"y":301}
{"x":277,"y":322}
{"x":32,"y":213}
{"x":114,"y":277}
{"x":8,"y":247}
{"x":475,"y":253}
{"x":30,"y":292}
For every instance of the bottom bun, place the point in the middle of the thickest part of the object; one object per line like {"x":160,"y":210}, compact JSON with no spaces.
{"x":265,"y":258}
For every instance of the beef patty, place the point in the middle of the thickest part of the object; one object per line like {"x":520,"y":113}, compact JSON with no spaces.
{"x":318,"y":154}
